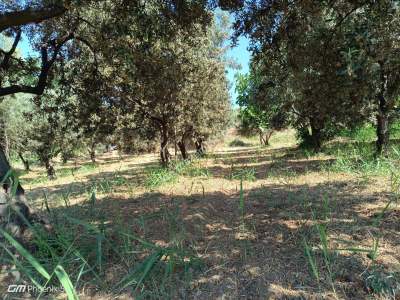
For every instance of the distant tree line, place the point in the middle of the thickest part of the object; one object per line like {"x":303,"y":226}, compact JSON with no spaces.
{"x":124,"y":74}
{"x":119,"y":74}
{"x":321,"y":66}
{"x":144,"y":74}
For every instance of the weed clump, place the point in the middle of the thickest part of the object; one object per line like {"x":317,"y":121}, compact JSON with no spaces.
{"x":158,"y":176}
{"x":238,"y":143}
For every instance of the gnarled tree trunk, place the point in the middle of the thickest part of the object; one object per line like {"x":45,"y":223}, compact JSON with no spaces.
{"x":15,"y":210}
{"x":9,"y":203}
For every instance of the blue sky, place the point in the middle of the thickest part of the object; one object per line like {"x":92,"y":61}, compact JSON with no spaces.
{"x":242,"y":56}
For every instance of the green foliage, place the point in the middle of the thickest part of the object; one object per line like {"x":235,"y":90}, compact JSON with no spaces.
{"x":243,"y":174}
{"x":158,"y":176}
{"x":366,"y":133}
{"x":358,"y":155}
{"x":238,"y":143}
{"x":260,"y":110}
{"x":380,"y":281}
{"x":79,"y":251}
{"x":325,"y":73}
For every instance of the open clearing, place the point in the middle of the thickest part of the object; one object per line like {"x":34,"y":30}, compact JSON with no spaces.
{"x":249,"y":247}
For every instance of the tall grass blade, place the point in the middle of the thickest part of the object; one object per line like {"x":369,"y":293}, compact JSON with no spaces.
{"x":66,"y":283}
{"x":21,"y":250}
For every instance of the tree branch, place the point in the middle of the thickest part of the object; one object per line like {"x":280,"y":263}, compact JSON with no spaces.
{"x":7,"y":55}
{"x":45,"y":69}
{"x":29,"y":15}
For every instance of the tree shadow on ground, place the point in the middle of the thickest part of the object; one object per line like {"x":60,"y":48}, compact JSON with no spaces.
{"x":252,"y":253}
{"x":270,"y":168}
{"x":256,"y":252}
{"x":102,"y":181}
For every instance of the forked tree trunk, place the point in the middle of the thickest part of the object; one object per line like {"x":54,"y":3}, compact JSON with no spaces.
{"x":24,"y":161}
{"x":265,"y":137}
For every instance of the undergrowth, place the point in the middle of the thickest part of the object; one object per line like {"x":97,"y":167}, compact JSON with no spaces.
{"x":94,"y":252}
{"x":158,"y":176}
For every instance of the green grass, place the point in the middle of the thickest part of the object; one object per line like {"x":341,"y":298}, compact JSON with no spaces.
{"x":358,"y":155}
{"x":79,"y":252}
{"x":322,"y":257}
{"x":379,"y":281}
{"x":244,"y":174}
{"x":359,"y":158}
{"x":159,"y":176}
{"x":367,"y":133}
{"x":238,"y":143}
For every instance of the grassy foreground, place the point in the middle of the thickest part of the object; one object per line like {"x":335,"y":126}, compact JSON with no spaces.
{"x":245,"y":222}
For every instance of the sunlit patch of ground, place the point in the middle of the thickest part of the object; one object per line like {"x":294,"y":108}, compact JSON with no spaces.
{"x":254,"y":252}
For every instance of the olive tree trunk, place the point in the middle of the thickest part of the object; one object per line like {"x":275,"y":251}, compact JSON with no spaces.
{"x":4,"y":169}
{"x":164,"y":153}
{"x":200,"y":148}
{"x":182,"y":149}
{"x":92,"y":152}
{"x":14,"y":209}
{"x":51,"y":172}
{"x":316,"y":136}
{"x":382,"y":117}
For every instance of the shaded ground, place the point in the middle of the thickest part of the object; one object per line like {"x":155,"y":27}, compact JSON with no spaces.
{"x":255,"y":252}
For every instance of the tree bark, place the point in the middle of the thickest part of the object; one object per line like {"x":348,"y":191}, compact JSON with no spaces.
{"x":92,"y":152}
{"x":264,"y":137}
{"x":182,"y":149}
{"x":9,"y":202}
{"x":164,"y":153}
{"x":24,"y":161}
{"x":316,"y":136}
{"x":51,"y":172}
{"x":29,"y":15}
{"x":4,"y":169}
{"x":200,"y":149}
{"x":382,"y":117}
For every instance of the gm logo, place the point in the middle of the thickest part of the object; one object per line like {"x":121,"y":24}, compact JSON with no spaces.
{"x":16,"y":288}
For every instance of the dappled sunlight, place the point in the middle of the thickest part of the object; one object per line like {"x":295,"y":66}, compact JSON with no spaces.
{"x":256,"y":246}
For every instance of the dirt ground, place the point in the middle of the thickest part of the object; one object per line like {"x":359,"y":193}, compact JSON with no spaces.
{"x":255,"y":252}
